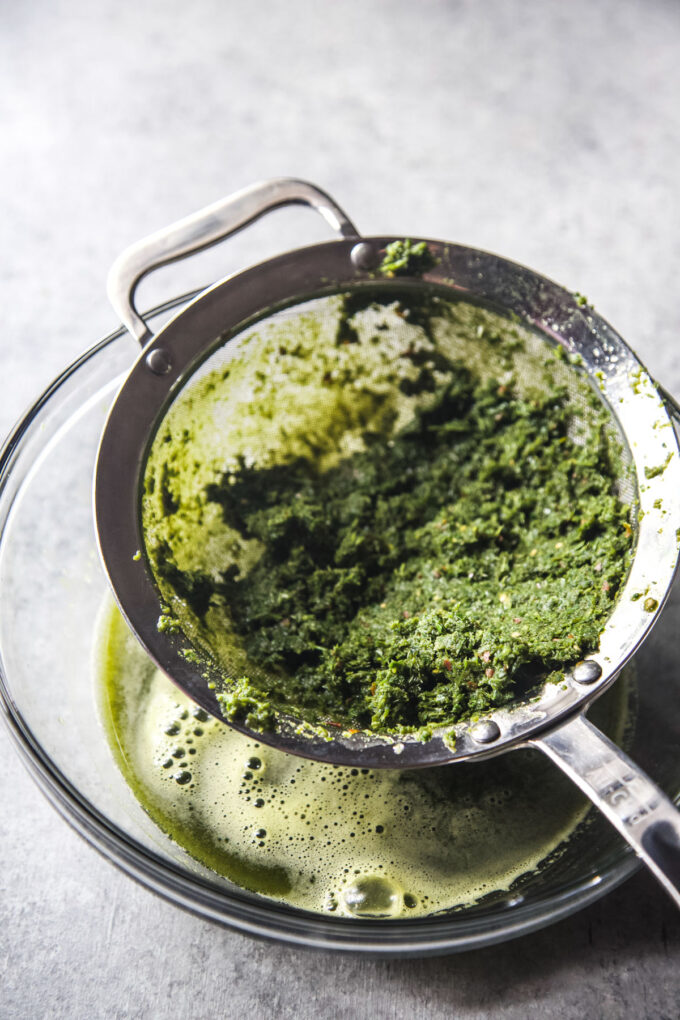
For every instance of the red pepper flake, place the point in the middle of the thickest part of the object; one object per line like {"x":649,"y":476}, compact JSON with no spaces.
{"x":606,"y":586}
{"x":373,"y":688}
{"x":489,"y":672}
{"x":517,"y":619}
{"x":485,"y":656}
{"x":447,"y":664}
{"x":406,"y":614}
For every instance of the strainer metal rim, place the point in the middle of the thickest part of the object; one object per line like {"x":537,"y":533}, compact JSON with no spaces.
{"x":224,"y":309}
{"x":240,"y":909}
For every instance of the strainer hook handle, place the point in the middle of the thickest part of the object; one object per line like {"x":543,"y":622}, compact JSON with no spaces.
{"x":207,"y":227}
{"x":628,"y":798}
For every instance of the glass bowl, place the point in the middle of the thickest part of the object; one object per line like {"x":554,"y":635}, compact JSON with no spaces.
{"x":51,"y":588}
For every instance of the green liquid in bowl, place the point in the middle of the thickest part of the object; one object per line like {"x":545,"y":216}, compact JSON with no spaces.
{"x":325,"y":838}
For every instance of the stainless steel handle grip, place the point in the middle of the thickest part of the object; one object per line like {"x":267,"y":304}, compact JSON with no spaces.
{"x":205,"y":228}
{"x":641,"y":812}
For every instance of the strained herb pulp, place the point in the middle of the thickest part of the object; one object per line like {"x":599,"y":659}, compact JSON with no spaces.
{"x":390,"y":520}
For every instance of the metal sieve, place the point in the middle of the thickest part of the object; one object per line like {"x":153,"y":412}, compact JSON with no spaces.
{"x":218,"y":319}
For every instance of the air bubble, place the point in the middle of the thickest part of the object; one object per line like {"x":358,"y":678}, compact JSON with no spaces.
{"x":373,"y":896}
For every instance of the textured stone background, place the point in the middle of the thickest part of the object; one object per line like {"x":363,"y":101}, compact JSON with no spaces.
{"x":549,"y":132}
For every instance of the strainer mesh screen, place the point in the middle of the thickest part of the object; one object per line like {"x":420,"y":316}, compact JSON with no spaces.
{"x":322,"y":383}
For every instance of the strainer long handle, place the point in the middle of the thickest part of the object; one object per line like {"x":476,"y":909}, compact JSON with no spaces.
{"x":205,"y":228}
{"x":641,"y":812}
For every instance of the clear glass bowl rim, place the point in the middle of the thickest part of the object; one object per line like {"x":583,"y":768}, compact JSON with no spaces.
{"x":241,"y":910}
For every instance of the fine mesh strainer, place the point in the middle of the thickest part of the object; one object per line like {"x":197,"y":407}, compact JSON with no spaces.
{"x":217,"y":326}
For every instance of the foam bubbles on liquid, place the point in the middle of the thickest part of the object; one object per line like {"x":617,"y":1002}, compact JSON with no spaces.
{"x":353,"y":842}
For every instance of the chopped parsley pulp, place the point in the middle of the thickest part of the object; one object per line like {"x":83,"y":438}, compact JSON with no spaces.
{"x":389,"y":519}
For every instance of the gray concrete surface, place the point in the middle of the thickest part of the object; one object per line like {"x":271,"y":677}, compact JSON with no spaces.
{"x":549,"y":132}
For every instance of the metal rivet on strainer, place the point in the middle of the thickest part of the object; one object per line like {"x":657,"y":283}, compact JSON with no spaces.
{"x":586,"y":672}
{"x":363,"y":255}
{"x":158,"y":361}
{"x":486,"y":731}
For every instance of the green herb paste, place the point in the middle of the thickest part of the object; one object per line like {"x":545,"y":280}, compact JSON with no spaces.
{"x":391,"y":516}
{"x":406,"y":258}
